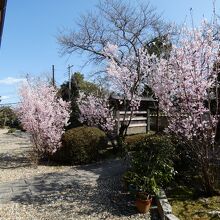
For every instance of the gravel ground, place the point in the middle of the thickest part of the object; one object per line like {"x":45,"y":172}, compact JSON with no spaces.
{"x":59,"y":192}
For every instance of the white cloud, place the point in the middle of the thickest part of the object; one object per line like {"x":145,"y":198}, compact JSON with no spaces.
{"x":4,"y":97}
{"x":11,"y":80}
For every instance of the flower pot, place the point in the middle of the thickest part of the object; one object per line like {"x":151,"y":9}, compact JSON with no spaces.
{"x":143,"y":205}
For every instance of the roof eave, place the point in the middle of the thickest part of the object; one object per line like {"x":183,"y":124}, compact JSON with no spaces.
{"x":3,"y":4}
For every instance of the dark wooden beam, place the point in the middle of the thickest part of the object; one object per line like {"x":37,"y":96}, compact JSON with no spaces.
{"x":3,"y":4}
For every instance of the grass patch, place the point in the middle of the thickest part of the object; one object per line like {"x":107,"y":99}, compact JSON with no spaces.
{"x":202,"y":208}
{"x":187,"y":205}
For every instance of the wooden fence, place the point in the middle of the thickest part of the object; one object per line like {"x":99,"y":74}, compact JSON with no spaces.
{"x":141,"y":121}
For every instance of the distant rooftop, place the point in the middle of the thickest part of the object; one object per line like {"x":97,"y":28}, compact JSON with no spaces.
{"x":121,"y":97}
{"x":2,"y":16}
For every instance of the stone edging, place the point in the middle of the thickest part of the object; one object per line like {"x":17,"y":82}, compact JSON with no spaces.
{"x":164,"y":207}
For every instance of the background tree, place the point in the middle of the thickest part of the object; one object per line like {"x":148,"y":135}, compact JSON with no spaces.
{"x":8,"y":117}
{"x":71,"y":95}
{"x":114,"y":22}
{"x":86,"y":87}
{"x":116,"y":35}
{"x":160,"y":46}
{"x":78,"y":86}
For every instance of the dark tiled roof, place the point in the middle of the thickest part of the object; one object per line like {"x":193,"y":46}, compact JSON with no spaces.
{"x":2,"y":16}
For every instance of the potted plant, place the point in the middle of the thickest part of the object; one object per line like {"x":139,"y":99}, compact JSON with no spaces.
{"x":141,"y":188}
{"x":151,"y":168}
{"x":143,"y":202}
{"x":146,"y":187}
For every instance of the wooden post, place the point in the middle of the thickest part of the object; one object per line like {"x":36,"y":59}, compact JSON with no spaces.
{"x":118,"y":121}
{"x":157,"y":119}
{"x":148,"y":120}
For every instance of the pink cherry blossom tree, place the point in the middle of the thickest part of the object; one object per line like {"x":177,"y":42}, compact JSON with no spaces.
{"x":126,"y":78}
{"x":43,"y":115}
{"x":184,"y":83}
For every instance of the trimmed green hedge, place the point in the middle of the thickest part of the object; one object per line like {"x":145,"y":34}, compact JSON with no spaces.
{"x":132,"y":140}
{"x":81,"y":145}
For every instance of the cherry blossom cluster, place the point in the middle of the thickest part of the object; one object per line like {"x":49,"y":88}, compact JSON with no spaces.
{"x":129,"y":75}
{"x":184,"y":80}
{"x":95,"y":111}
{"x":43,"y":115}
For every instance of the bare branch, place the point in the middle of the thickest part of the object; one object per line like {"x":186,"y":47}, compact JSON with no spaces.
{"x":115,"y":22}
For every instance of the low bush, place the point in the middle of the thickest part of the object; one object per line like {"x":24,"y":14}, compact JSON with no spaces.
{"x":11,"y":130}
{"x":81,"y":145}
{"x":132,"y":140}
{"x":8,"y":118}
{"x":151,"y":164}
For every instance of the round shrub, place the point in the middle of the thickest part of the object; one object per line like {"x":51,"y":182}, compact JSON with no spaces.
{"x":132,"y":140}
{"x":81,"y":145}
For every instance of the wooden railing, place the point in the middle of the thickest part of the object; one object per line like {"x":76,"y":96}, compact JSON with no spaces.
{"x":141,"y":121}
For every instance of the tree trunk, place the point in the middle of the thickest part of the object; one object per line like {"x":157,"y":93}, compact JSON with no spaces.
{"x":217,"y":135}
{"x":207,"y":176}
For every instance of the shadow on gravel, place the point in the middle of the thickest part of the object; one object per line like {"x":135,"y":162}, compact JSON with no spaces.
{"x":109,"y":188}
{"x":12,"y":161}
{"x":88,"y":190}
{"x":14,"y":151}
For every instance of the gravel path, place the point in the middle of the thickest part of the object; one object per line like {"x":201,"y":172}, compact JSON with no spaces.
{"x":59,"y":192}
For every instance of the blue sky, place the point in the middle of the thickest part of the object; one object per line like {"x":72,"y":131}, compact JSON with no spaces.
{"x":29,"y":43}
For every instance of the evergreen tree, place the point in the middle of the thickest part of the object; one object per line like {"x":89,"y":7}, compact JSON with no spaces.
{"x":78,"y":85}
